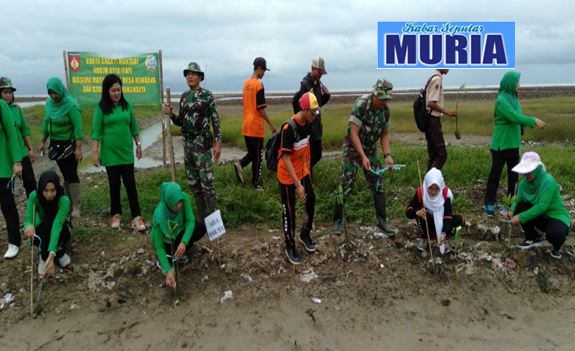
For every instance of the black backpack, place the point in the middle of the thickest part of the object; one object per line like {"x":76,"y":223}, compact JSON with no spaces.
{"x":420,"y":108}
{"x":273,"y":146}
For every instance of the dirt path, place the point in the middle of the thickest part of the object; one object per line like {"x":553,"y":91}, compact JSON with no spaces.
{"x":381,"y":297}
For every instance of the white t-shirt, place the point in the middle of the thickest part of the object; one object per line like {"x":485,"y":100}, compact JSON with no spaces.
{"x":434,"y":92}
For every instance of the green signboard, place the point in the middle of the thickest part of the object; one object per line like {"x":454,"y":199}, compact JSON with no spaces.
{"x":141,"y":77}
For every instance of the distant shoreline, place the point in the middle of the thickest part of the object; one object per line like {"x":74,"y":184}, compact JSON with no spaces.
{"x":346,"y":96}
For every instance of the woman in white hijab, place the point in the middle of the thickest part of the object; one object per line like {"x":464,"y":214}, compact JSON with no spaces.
{"x":432,"y":203}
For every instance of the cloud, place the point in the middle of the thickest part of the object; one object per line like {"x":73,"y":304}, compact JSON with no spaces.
{"x":225,"y":36}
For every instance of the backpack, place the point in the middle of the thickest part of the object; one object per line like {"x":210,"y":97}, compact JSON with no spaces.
{"x":420,"y":108}
{"x":445,"y":193}
{"x":274,"y":144}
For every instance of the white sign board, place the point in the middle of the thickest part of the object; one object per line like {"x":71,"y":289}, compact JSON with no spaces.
{"x":215,"y":225}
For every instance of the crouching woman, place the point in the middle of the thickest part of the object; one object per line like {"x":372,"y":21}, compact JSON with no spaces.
{"x":47,"y":223}
{"x":173,"y":229}
{"x":432,"y":206}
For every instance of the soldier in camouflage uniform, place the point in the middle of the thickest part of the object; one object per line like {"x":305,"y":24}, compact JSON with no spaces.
{"x":368,"y":124}
{"x":197,"y":111}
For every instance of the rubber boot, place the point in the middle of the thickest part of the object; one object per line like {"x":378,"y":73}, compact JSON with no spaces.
{"x":200,"y":206}
{"x":211,"y":206}
{"x":75,"y":197}
{"x":380,"y":214}
{"x":338,"y":218}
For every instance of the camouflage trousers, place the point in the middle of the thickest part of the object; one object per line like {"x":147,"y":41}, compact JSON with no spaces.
{"x":348,"y":172}
{"x":200,"y":174}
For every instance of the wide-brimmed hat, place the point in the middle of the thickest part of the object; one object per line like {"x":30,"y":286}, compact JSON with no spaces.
{"x":529,"y":161}
{"x":382,"y":89}
{"x":6,"y":83}
{"x":195,"y":68}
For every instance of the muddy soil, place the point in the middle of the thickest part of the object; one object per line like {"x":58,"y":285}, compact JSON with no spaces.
{"x":370,"y":293}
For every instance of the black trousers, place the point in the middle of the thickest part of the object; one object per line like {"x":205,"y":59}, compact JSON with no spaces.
{"x":44,"y":231}
{"x":498,"y":160}
{"x":10,"y":212}
{"x":117,"y":175}
{"x":555,"y":230}
{"x":436,"y":150}
{"x":69,"y":168}
{"x":255,"y":157}
{"x":28,"y":177}
{"x":288,"y":198}
{"x":315,"y":151}
{"x":199,"y":232}
{"x":456,"y":221}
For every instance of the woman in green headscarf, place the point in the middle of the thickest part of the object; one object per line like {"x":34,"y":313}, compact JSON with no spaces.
{"x":24,"y":139}
{"x":506,"y":139}
{"x":173,"y":228}
{"x":63,"y":125}
{"x":539,"y":205}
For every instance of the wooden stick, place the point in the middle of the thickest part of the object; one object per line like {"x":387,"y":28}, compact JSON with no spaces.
{"x":169,"y":137}
{"x":32,"y":263}
{"x":426,"y":224}
{"x":65,"y":54}
{"x":164,"y":141}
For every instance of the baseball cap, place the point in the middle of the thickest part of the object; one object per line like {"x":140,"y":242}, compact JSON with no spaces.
{"x":382,"y":89}
{"x":308,"y":101}
{"x":260,"y":62}
{"x":529,"y":161}
{"x":319,"y":64}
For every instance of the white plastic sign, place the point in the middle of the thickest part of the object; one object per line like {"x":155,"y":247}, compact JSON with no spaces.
{"x":215,"y":225}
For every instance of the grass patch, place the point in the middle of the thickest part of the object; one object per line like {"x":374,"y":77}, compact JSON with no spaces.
{"x":465,"y":168}
{"x":475,"y":118}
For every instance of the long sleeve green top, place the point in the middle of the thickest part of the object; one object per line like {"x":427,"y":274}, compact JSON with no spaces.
{"x":61,"y":216}
{"x":543,"y":194}
{"x":115,"y":132}
{"x":159,"y":237}
{"x":509,"y":117}
{"x":9,"y":147}
{"x":67,"y":127}
{"x":21,"y":127}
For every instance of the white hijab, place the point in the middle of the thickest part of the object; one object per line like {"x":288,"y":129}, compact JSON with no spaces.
{"x":435,"y":204}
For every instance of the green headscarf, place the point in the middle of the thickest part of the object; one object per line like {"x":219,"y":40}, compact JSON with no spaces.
{"x":61,"y":108}
{"x":170,"y":223}
{"x":507,"y":89}
{"x":532,"y":189}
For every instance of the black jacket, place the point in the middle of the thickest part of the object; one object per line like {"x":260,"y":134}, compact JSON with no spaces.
{"x":322,"y":99}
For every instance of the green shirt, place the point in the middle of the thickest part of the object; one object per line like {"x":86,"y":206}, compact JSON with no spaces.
{"x":371,"y":122}
{"x":544,"y":196}
{"x":59,"y":221}
{"x":159,"y":238}
{"x":9,"y":147}
{"x":115,"y":132}
{"x":21,"y":127}
{"x":509,"y":117}
{"x":67,"y":127}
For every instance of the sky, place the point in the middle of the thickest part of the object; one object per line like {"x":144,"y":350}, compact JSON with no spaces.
{"x":225,"y":36}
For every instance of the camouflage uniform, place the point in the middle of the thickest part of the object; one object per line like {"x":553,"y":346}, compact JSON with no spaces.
{"x":372,"y":122}
{"x":197,"y":111}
